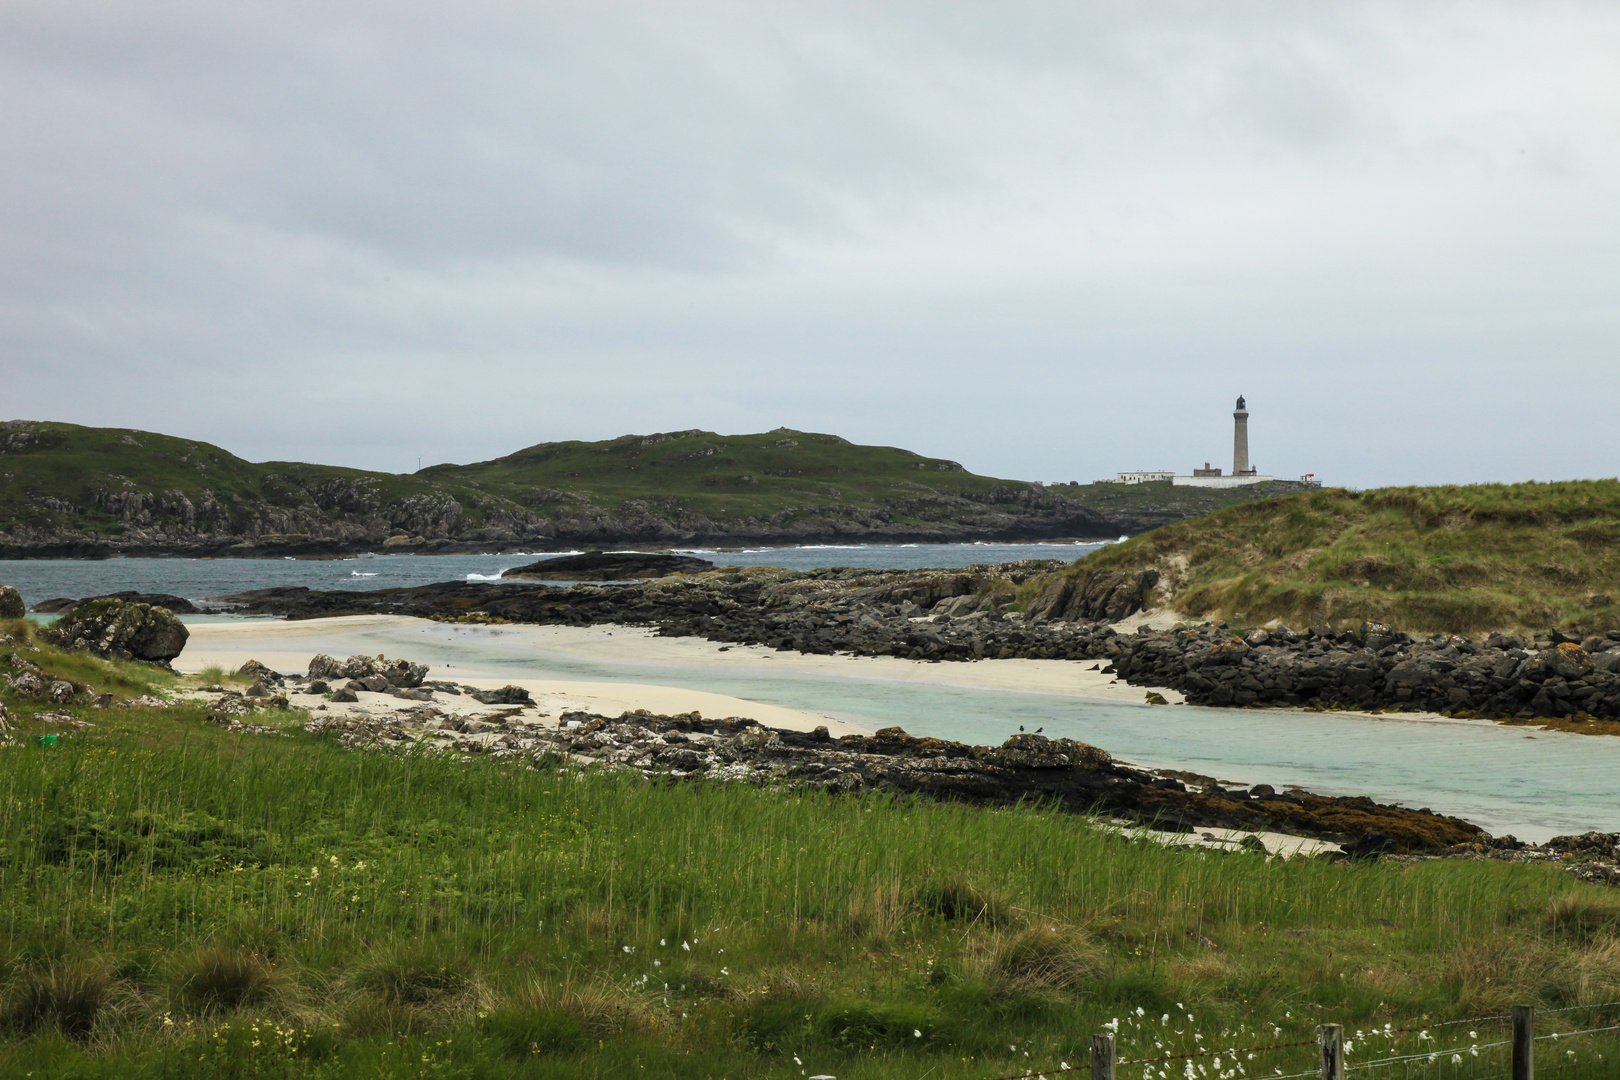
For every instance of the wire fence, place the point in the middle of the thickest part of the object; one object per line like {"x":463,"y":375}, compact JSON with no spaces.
{"x":1580,"y":1042}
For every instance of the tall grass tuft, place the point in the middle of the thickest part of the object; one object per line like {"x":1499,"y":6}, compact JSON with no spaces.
{"x":1045,"y":961}
{"x":68,"y":995}
{"x":215,"y":978}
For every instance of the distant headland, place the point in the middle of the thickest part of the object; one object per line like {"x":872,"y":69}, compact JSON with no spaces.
{"x":88,"y":492}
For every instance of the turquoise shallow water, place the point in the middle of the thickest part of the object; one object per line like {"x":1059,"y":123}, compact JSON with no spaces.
{"x":1493,"y":776}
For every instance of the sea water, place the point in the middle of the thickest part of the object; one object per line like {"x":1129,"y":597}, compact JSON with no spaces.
{"x":197,"y":579}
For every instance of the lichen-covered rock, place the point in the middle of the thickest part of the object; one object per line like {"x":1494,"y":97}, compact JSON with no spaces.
{"x":113,"y":628}
{"x":28,"y":684}
{"x":60,"y":692}
{"x":11,"y":603}
{"x":1571,"y":661}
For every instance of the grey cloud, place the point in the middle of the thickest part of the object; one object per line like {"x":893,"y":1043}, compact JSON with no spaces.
{"x":1050,"y":240}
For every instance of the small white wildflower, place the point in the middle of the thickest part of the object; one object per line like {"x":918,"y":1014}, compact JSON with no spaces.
{"x":685,"y":946}
{"x":916,"y":1034}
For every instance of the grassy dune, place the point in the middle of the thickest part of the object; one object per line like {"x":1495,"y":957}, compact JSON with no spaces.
{"x":1459,"y":559}
{"x":177,"y":900}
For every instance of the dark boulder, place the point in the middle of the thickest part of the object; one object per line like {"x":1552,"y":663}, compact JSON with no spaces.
{"x":11,"y":604}
{"x":609,"y":566}
{"x":1376,"y":635}
{"x":506,"y":695}
{"x":114,"y":628}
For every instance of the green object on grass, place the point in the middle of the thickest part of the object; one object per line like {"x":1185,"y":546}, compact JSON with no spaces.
{"x":45,"y":740}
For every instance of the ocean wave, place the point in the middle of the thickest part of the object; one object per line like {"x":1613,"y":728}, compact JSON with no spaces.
{"x":357,"y":573}
{"x":486,"y":577}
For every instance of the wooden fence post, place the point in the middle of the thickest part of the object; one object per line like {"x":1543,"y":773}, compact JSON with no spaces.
{"x":1330,"y":1037}
{"x":1102,"y":1057}
{"x":1524,"y":1042}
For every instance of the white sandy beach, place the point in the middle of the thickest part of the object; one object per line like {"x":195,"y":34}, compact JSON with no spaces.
{"x":288,"y":646}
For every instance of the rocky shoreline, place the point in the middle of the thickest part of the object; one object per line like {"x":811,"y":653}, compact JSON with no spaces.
{"x":1002,"y":611}
{"x":392,"y":704}
{"x":1026,"y":769}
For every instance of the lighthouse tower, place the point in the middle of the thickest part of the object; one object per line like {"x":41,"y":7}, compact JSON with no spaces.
{"x":1240,"y":440}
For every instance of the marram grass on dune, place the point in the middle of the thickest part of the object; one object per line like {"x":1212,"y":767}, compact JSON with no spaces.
{"x":1464,"y":560}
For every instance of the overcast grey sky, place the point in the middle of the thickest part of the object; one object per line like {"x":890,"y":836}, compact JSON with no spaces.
{"x":1047,"y":240}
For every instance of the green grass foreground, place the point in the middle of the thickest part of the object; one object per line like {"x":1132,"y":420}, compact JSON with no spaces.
{"x":180,"y":901}
{"x":1459,"y":560}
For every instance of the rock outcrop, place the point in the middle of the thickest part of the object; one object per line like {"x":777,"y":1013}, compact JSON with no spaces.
{"x":609,"y":566}
{"x":113,"y":628}
{"x":396,"y":673}
{"x":971,"y":614}
{"x":11,"y":603}
{"x":177,"y":604}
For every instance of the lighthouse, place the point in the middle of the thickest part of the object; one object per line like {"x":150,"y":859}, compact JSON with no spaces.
{"x":1240,"y":441}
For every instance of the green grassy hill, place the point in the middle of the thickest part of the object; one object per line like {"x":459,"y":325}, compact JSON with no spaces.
{"x":78,"y":490}
{"x":1460,"y":559}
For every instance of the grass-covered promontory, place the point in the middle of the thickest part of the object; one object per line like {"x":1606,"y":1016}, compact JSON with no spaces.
{"x":71,"y":490}
{"x":181,"y":900}
{"x":1512,"y":557}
